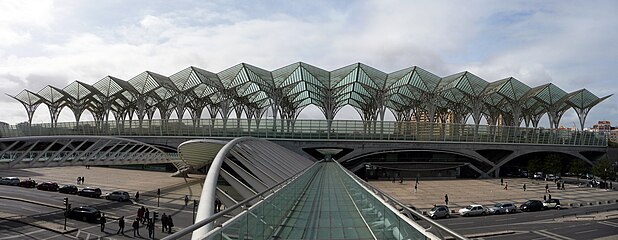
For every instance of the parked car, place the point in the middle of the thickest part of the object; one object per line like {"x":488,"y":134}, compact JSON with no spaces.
{"x":552,"y":203}
{"x":27,"y":183}
{"x":85,"y":213}
{"x":70,"y":189}
{"x":550,"y":177}
{"x":118,"y":196}
{"x":13,"y":181}
{"x":90,"y":192}
{"x":531,"y":205}
{"x":439,"y":211}
{"x":500,"y":208}
{"x":538,"y":175}
{"x":48,"y":186}
{"x":472,"y":210}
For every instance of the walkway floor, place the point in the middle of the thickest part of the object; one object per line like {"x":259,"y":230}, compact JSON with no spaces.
{"x":461,"y":193}
{"x":326,"y":211}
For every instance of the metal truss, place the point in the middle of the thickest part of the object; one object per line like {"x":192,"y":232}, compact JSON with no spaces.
{"x":249,"y":91}
{"x":58,"y":151}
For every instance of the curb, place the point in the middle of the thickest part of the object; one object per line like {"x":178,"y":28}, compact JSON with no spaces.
{"x":33,"y":202}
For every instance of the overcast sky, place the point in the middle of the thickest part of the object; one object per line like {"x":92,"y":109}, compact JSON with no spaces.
{"x":573,"y":44}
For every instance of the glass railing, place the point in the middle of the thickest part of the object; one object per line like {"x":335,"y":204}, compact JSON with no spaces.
{"x":317,"y":129}
{"x":264,"y":219}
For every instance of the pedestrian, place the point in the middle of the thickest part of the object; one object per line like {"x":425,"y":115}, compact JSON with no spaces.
{"x":147,"y":214}
{"x":170,"y":223}
{"x":446,"y":199}
{"x":83,"y":179}
{"x":544,"y":197}
{"x":217,"y":205}
{"x":150,"y":227}
{"x":562,"y":185}
{"x":501,"y":181}
{"x":79,"y":179}
{"x":549,"y":196}
{"x":186,"y":200}
{"x":546,"y":188}
{"x":416,"y":180}
{"x":524,"y":187}
{"x":400,"y":179}
{"x":136,"y":227}
{"x":558,"y":186}
{"x":163,"y":222}
{"x":103,"y":221}
{"x":140,"y":214}
{"x":120,"y":225}
{"x":415,"y":188}
{"x":137,"y":196}
{"x":506,"y":187}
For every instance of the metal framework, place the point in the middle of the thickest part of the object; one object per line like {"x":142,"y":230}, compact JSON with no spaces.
{"x":58,"y":151}
{"x":411,"y":93}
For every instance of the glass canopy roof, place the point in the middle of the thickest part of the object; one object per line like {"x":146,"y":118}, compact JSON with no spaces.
{"x":287,"y":90}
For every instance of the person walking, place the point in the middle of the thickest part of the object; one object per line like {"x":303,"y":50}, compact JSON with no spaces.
{"x":79,"y":179}
{"x":147,"y":214}
{"x":562,"y":185}
{"x":170,"y":223}
{"x":446,"y":199}
{"x":416,"y":180}
{"x":546,"y":188}
{"x":120,"y":225}
{"x":137,"y":196}
{"x":103,"y":221}
{"x":163,"y":222}
{"x":136,"y":227}
{"x":506,"y":187}
{"x":415,"y":188}
{"x":544,"y":197}
{"x":217,"y":205}
{"x":186,"y":200}
{"x":524,"y":187}
{"x":83,"y":179}
{"x":140,"y":214}
{"x":150,"y":227}
{"x":501,"y":181}
{"x":549,"y":196}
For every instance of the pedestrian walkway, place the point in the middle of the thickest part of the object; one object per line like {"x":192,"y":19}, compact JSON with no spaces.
{"x":489,"y":191}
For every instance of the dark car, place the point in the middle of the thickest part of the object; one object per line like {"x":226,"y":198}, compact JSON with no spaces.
{"x":531,"y":205}
{"x":70,"y":189}
{"x":27,"y":183}
{"x":48,"y":186}
{"x":85,"y":213}
{"x":90,"y":192}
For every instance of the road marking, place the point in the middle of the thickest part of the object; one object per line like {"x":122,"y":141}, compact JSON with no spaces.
{"x":611,"y":224}
{"x":463,"y":223}
{"x":587,"y":231}
{"x":553,"y":235}
{"x":23,"y":234}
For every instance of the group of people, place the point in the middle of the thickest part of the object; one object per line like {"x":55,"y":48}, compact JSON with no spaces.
{"x":167,"y":223}
{"x":80,"y":180}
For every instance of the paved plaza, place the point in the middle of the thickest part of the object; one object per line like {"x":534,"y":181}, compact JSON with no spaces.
{"x":489,"y":191}
{"x":173,"y":189}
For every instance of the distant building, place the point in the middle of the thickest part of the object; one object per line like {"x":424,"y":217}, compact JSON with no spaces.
{"x":606,"y":127}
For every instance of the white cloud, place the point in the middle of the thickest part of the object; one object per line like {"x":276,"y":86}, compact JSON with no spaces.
{"x":568,"y":44}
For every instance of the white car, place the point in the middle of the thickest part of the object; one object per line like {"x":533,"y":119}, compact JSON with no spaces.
{"x":473,"y":210}
{"x":118,"y":196}
{"x":13,"y":181}
{"x":552,"y":204}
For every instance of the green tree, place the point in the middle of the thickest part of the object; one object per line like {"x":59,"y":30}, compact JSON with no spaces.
{"x":603,"y":169}
{"x":552,"y":164}
{"x":578,"y":167}
{"x":534,"y":165}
